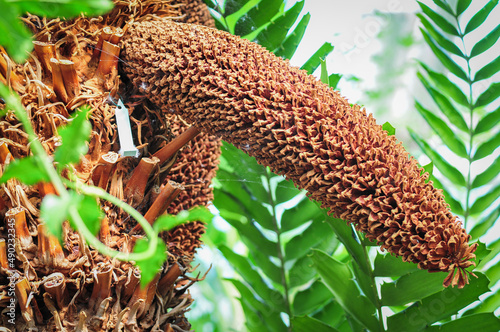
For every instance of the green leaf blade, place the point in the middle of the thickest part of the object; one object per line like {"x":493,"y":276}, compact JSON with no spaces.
{"x":65,"y":8}
{"x":314,"y":61}
{"x":462,"y":6}
{"x":150,"y":268}
{"x":438,"y":306}
{"x":446,"y":107}
{"x":487,"y":147}
{"x":274,"y":34}
{"x":411,"y":287}
{"x":489,"y":121}
{"x":488,"y":175}
{"x":480,"y":16}
{"x":440,"y":39}
{"x":489,"y":70}
{"x":446,"y":168}
{"x":18,"y":41}
{"x":439,"y":20}
{"x":484,"y":322}
{"x":54,"y":210}
{"x":74,"y":137}
{"x":490,"y":95}
{"x":307,"y":324}
{"x":449,"y":88}
{"x":445,"y":59}
{"x":289,"y":46}
{"x":444,"y":132}
{"x":256,"y":17}
{"x":484,"y":44}
{"x":338,"y":278}
{"x":485,"y":201}
{"x":27,"y":170}
{"x":168,"y":222}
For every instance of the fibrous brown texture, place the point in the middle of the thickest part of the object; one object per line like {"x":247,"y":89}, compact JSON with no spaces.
{"x":304,"y":130}
{"x":70,"y":286}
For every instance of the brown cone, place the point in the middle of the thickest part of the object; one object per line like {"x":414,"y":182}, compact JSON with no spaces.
{"x":304,"y":130}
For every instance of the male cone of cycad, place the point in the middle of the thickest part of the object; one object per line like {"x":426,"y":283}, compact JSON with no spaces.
{"x":304,"y":130}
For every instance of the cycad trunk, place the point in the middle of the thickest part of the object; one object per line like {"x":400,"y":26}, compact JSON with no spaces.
{"x":72,"y":287}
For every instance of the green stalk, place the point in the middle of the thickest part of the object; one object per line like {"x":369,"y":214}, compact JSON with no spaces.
{"x":45,"y":163}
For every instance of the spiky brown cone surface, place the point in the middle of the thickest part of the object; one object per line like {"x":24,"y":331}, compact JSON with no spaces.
{"x":304,"y":130}
{"x":70,"y":286}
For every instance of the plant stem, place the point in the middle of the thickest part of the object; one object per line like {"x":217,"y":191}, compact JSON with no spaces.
{"x":280,"y":249}
{"x":46,"y":164}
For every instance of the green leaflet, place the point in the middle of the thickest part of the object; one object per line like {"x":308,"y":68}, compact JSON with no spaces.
{"x":411,"y":287}
{"x":449,"y":88}
{"x":324,"y":72}
{"x":74,"y":136}
{"x":387,"y":265}
{"x":272,"y":36}
{"x":438,"y":306}
{"x":301,"y":244}
{"x":455,"y":205}
{"x":445,"y":59}
{"x":289,"y":46}
{"x":484,"y":224}
{"x":247,"y":229}
{"x":285,"y":191}
{"x":339,"y":280}
{"x":389,"y":128}
{"x":311,"y":298}
{"x":484,"y":322}
{"x":489,"y":70}
{"x":307,"y":324}
{"x":91,"y":213}
{"x":490,"y":95}
{"x":452,"y":141}
{"x":298,"y":215}
{"x":63,"y":8}
{"x":444,"y":5}
{"x":54,"y":211}
{"x":439,"y":20}
{"x":254,"y":279}
{"x":27,"y":170}
{"x":444,"y":167}
{"x":232,"y":6}
{"x":16,"y":37}
{"x":484,"y":202}
{"x":17,"y":41}
{"x":150,"y":268}
{"x":258,"y":16}
{"x":445,"y":106}
{"x":315,"y":60}
{"x":462,"y":5}
{"x":488,"y":175}
{"x":258,"y":315}
{"x":168,"y":222}
{"x":489,"y":121}
{"x":487,"y":147}
{"x":333,"y":80}
{"x":347,"y":236}
{"x":480,"y":16}
{"x":439,"y":38}
{"x":485,"y":43}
